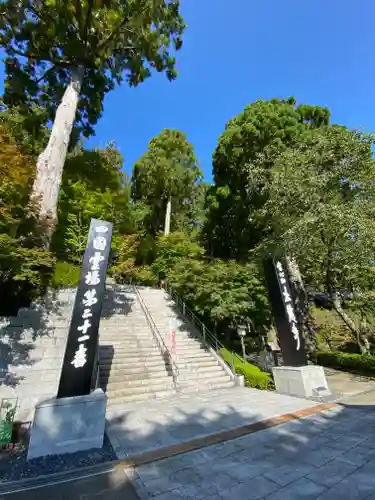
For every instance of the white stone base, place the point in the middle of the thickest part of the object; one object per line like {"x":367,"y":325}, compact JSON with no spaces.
{"x":303,"y":381}
{"x":68,"y":425}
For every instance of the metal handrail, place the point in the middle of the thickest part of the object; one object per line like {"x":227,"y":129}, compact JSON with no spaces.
{"x":208,"y":336}
{"x":159,"y":339}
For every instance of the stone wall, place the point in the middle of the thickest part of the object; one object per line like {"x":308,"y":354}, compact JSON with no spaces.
{"x":32,"y":347}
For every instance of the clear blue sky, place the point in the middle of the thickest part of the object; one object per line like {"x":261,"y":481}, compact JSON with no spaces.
{"x":235,"y":52}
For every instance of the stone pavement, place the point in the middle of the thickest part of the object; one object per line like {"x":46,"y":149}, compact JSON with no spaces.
{"x":328,"y":456}
{"x":113,"y":485}
{"x":347,"y":384}
{"x":160,"y":423}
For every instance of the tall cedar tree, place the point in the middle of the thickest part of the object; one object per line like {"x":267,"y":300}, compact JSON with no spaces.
{"x":67,"y":54}
{"x":165,"y":178}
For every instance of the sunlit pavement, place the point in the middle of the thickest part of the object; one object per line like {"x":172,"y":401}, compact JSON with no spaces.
{"x":329,"y":455}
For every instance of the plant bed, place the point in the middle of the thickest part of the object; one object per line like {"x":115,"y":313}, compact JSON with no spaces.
{"x":14,"y":465}
{"x":362,"y":364}
{"x":254,"y":376}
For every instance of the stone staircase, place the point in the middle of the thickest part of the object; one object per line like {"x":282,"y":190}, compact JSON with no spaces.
{"x":200,"y":369}
{"x":132,"y":366}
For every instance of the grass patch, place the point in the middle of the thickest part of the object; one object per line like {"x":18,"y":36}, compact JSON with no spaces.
{"x":254,"y":376}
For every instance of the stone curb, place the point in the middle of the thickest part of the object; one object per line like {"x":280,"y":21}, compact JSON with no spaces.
{"x":159,"y":454}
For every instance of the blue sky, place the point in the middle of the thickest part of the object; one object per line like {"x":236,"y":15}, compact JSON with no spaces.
{"x":238,"y":51}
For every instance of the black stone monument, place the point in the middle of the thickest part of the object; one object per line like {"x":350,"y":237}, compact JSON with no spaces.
{"x":81,"y":348}
{"x":290,"y":337}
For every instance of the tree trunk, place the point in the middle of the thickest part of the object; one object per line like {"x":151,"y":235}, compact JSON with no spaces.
{"x":51,"y":161}
{"x":301,"y":303}
{"x":362,"y":342}
{"x":167,"y":224}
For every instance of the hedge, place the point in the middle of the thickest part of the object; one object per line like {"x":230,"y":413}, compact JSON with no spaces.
{"x":254,"y":377}
{"x":65,"y":275}
{"x":360,"y":363}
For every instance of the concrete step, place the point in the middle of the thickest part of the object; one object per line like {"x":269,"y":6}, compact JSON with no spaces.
{"x":112,"y":386}
{"x":125,"y":336}
{"x":114,"y":377}
{"x":193,"y":347}
{"x":124,"y":347}
{"x":136,"y":371}
{"x":120,"y":403}
{"x":205,"y":371}
{"x":123,"y":327}
{"x":129,"y":354}
{"x":141,"y":389}
{"x":191,"y":356}
{"x":204,"y":386}
{"x":124,"y":364}
{"x":196,"y":379}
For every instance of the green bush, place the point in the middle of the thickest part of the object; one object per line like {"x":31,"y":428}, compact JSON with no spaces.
{"x":254,"y":377}
{"x":25,"y":272}
{"x":65,"y":275}
{"x":360,"y":363}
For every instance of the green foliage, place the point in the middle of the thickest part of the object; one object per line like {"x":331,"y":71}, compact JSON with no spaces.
{"x":132,"y":260}
{"x":93,"y":187}
{"x":245,"y":152}
{"x":332,"y":333}
{"x":168,"y":170}
{"x":223,"y":294}
{"x":319,"y":208}
{"x":24,"y":273}
{"x":25,"y":267}
{"x":359,"y":363}
{"x":171,"y":249}
{"x":254,"y":377}
{"x":44,"y":41}
{"x":65,"y":275}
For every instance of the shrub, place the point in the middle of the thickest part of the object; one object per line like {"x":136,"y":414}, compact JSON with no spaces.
{"x":24,"y":274}
{"x":65,"y":275}
{"x":360,"y":363}
{"x":254,"y":377}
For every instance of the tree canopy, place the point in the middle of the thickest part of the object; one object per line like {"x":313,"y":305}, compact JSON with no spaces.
{"x":169,"y":170}
{"x":111,"y":40}
{"x":246,"y":150}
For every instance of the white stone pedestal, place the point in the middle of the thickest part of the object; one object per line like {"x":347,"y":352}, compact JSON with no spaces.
{"x":303,"y":381}
{"x":68,"y":425}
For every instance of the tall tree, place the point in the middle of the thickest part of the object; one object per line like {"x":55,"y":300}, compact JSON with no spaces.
{"x":68,"y":54}
{"x":320,"y":208}
{"x":165,"y":178}
{"x":245,"y":152}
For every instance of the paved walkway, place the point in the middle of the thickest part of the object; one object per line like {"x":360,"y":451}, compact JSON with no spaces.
{"x":328,"y":456}
{"x":114,"y":485}
{"x":347,"y":384}
{"x":160,"y":423}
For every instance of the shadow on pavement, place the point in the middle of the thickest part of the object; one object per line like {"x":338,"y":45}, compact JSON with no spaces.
{"x":331,"y":453}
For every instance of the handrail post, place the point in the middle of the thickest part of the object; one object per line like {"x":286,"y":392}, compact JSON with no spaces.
{"x":204,"y":332}
{"x":233,"y":363}
{"x":163,"y":348}
{"x":183,"y":308}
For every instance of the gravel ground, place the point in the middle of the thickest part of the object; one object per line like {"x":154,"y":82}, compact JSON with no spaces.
{"x":14,"y":466}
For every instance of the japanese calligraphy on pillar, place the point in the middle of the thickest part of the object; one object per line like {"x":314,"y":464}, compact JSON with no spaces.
{"x":288,"y":303}
{"x":82,"y":340}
